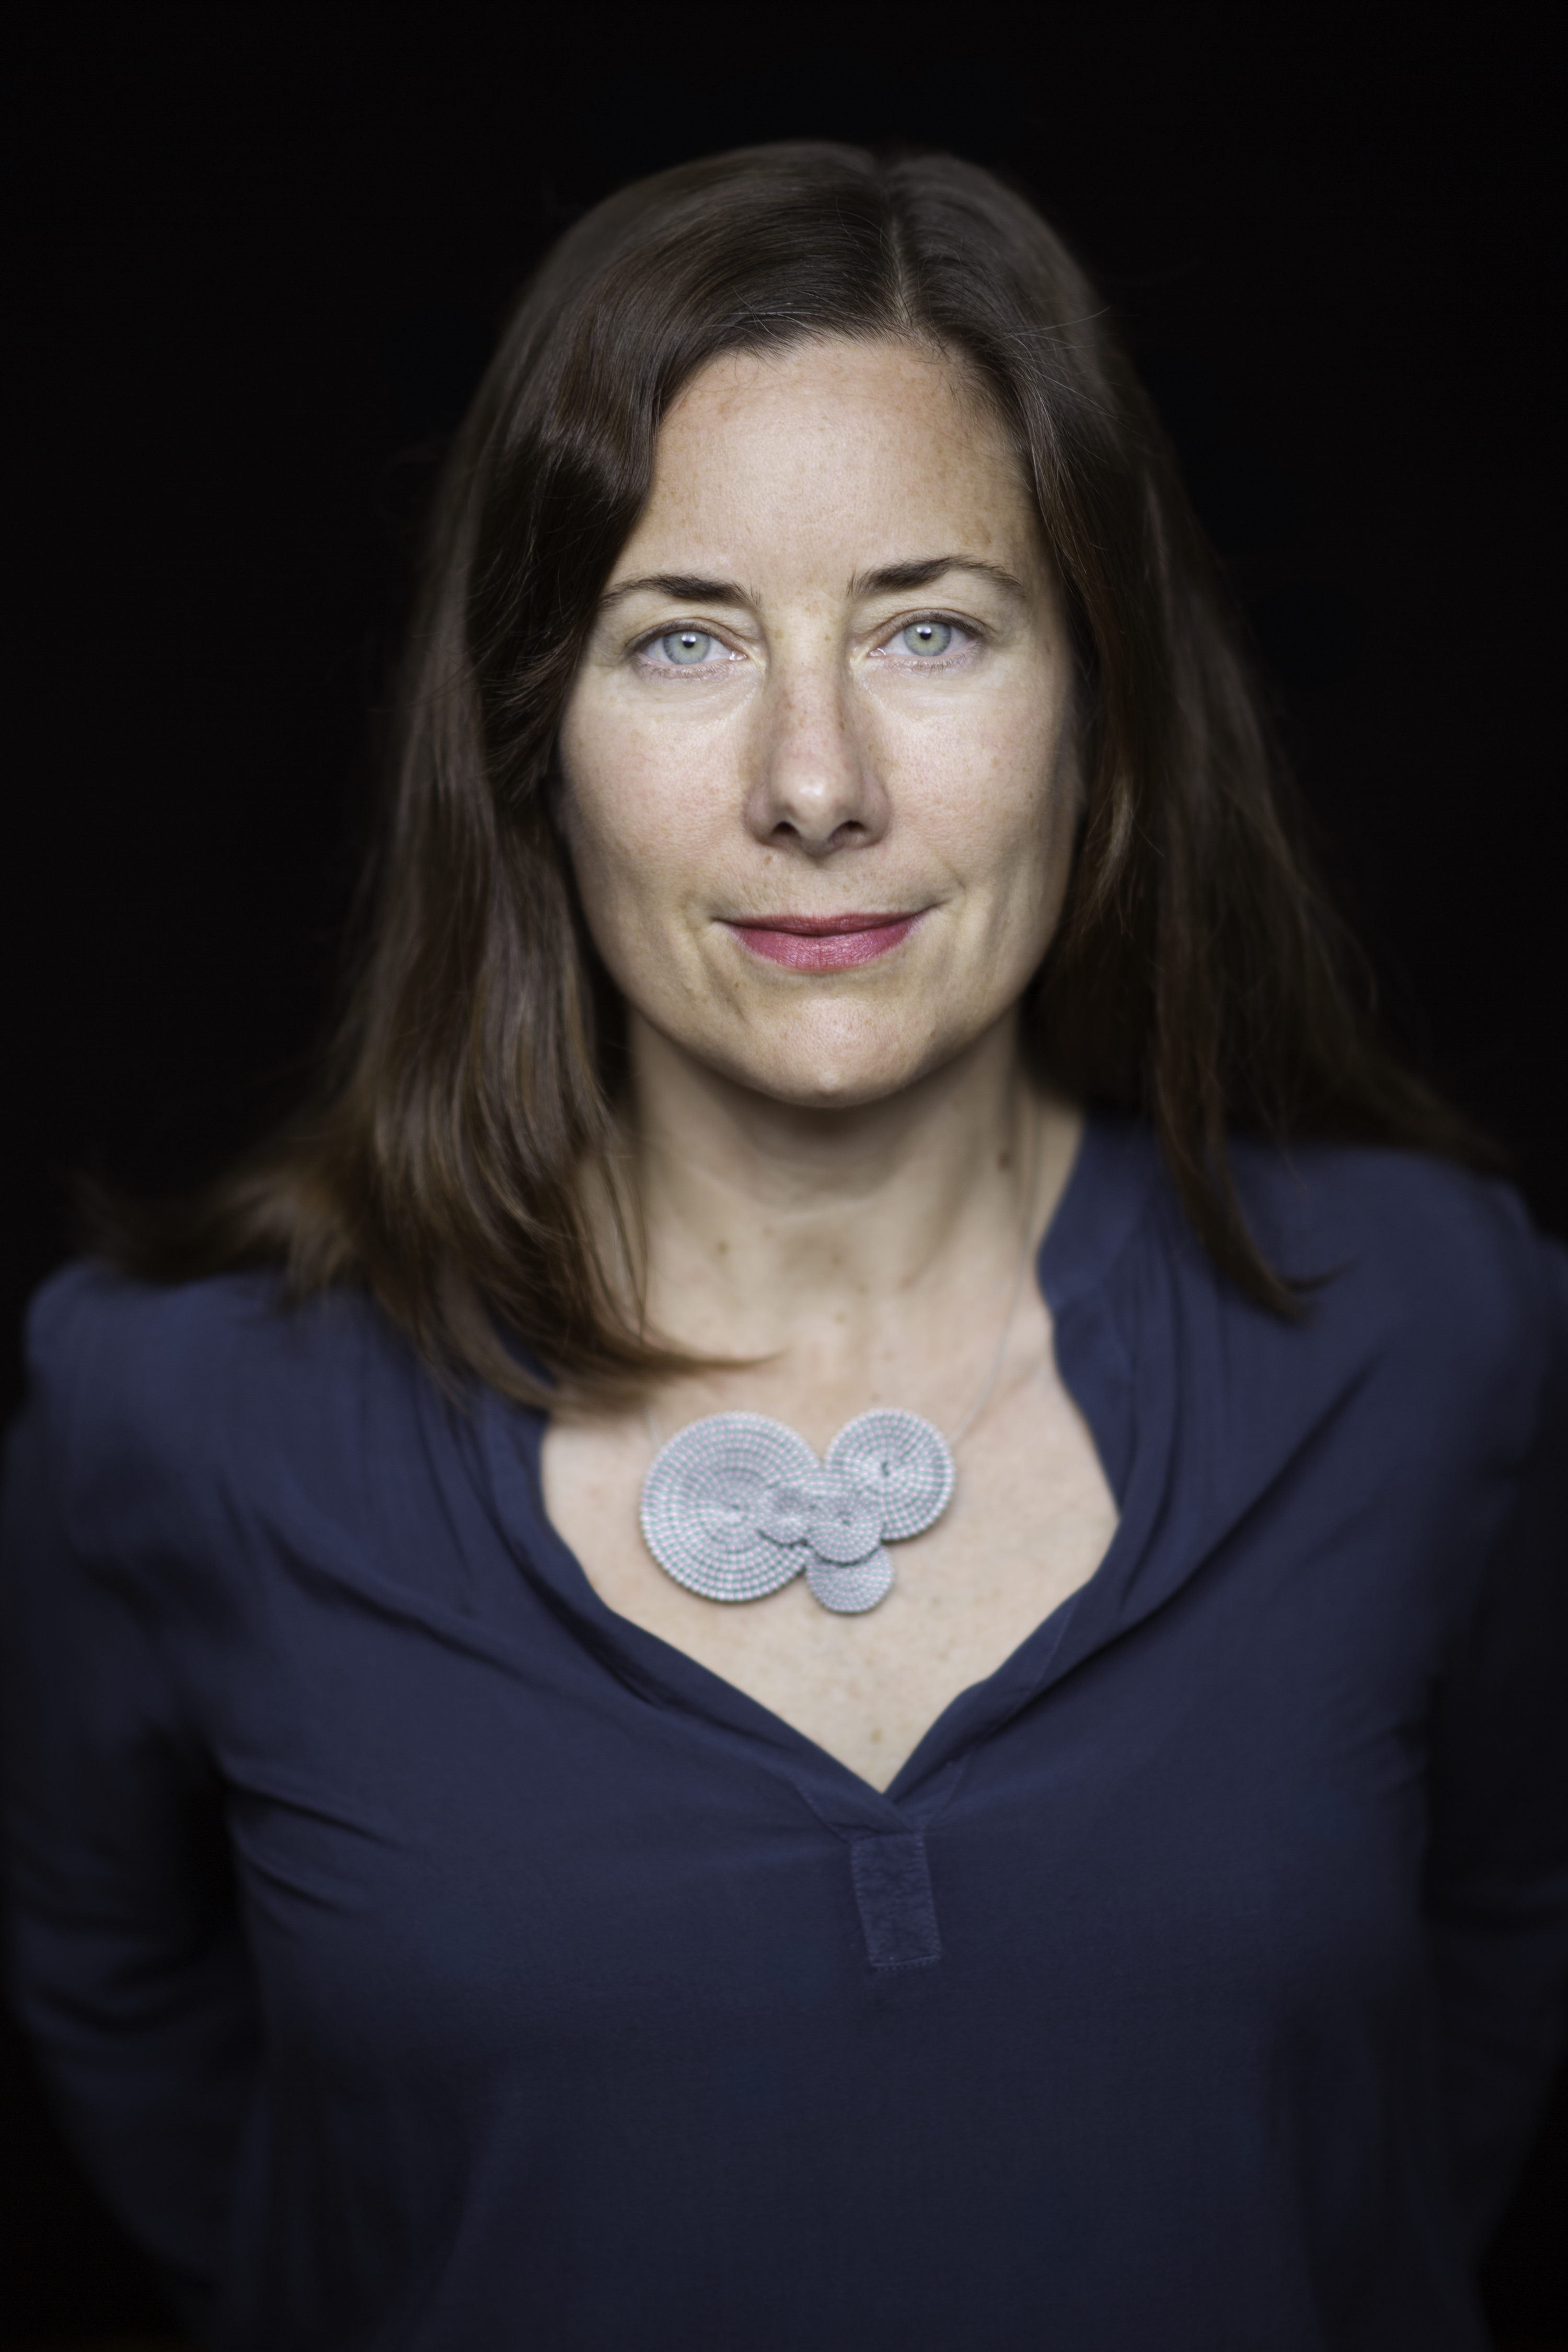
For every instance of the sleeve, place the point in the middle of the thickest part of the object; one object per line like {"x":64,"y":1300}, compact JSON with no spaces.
{"x":125,"y":1961}
{"x":1498,"y":1874}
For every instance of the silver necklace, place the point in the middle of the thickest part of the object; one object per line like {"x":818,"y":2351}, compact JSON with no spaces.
{"x":736,"y":1504}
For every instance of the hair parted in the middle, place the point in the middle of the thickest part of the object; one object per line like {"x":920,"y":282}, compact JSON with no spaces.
{"x":463,"y":1145}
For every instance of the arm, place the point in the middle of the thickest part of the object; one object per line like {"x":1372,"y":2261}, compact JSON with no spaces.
{"x":124,"y":1955}
{"x":1498,"y":1876}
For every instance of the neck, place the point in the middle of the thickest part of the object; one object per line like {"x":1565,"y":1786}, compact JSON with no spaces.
{"x":832,"y":1242}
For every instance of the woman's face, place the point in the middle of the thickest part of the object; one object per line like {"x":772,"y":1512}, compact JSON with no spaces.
{"x":818,"y":756}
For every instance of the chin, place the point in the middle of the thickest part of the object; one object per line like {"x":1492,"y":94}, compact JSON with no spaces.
{"x":812,"y":1093}
{"x":832,"y":1078}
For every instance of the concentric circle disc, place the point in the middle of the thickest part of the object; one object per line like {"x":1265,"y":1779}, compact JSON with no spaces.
{"x":848,"y":1591}
{"x":906,"y":1463}
{"x":706,"y":1496}
{"x":845,"y":1522}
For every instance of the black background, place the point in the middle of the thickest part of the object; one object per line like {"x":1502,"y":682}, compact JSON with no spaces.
{"x":263,"y":253}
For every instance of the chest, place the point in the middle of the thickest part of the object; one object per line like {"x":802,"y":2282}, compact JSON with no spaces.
{"x":528,"y":1850}
{"x":525,"y":1906}
{"x":1030,"y":1519}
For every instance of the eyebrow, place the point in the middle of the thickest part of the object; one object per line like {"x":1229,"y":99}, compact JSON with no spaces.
{"x":683,"y":587}
{"x":691,"y":588}
{"x":921,"y":574}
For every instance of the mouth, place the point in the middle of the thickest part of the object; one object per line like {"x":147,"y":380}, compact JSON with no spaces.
{"x":823,"y":942}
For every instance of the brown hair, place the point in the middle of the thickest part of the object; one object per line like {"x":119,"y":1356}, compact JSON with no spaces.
{"x":464,"y":1122}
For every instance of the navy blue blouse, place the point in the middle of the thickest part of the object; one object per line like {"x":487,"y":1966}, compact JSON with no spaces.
{"x":426,"y":1956}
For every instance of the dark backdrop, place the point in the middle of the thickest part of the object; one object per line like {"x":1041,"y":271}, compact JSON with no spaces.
{"x":265,"y":253}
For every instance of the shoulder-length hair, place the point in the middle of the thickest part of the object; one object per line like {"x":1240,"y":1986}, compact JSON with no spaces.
{"x":460,"y":1148}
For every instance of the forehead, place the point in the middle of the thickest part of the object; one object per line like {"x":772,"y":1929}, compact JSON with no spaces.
{"x":832,"y":452}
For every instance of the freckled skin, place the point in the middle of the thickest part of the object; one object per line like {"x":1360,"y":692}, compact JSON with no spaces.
{"x":837,"y":1166}
{"x":813,"y":770}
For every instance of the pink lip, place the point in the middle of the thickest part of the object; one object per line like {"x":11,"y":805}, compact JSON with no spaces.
{"x":824,"y":943}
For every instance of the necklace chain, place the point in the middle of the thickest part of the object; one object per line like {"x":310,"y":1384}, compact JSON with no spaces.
{"x":1016,"y":1292}
{"x":737,"y":1504}
{"x":984,"y":1399}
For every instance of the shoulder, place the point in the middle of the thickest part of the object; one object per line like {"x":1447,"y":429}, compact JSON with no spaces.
{"x":149,"y":1405}
{"x":1401,"y":1221}
{"x":91,"y":1329}
{"x":122,"y":1357}
{"x":1436,"y":1266}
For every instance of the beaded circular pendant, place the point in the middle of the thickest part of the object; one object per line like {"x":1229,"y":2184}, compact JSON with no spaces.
{"x":736,"y":1504}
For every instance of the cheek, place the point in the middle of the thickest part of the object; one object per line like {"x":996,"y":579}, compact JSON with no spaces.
{"x":599,"y":823}
{"x":610,"y":795}
{"x":634,"y":834}
{"x":1002,"y":798}
{"x":1024,"y":825}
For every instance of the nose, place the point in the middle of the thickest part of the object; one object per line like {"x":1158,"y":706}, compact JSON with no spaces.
{"x":816,"y":787}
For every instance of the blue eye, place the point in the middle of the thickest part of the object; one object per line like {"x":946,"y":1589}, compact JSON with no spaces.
{"x":686,"y":646}
{"x":926,"y":637}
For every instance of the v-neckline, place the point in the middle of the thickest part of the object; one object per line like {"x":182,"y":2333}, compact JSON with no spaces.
{"x":1098,"y":1208}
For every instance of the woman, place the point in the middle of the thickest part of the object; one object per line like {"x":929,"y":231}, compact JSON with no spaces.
{"x":623,"y":1732}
